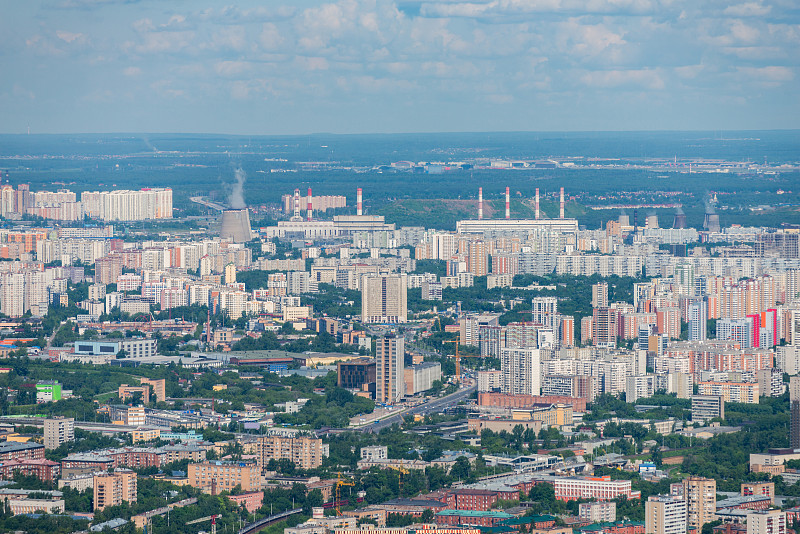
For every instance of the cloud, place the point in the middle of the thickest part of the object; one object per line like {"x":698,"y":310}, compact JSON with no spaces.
{"x":645,"y":78}
{"x":229,"y":69}
{"x":69,"y":37}
{"x":749,"y":9}
{"x":767,"y":74}
{"x":319,"y":57}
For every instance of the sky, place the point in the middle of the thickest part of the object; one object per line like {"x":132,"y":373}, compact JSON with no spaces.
{"x":389,"y":66}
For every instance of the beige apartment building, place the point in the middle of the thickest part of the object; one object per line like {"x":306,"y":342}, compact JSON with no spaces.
{"x":112,"y":489}
{"x":304,"y":450}
{"x":216,"y":476}
{"x":701,"y":501}
{"x":58,"y":430}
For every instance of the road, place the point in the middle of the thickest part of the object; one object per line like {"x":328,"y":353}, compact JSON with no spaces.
{"x":432,"y":406}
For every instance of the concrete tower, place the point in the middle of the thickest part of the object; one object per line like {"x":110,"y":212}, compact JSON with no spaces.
{"x":236,"y":226}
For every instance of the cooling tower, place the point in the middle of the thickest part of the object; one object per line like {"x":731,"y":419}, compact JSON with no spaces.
{"x":680,"y":219}
{"x":711,"y":222}
{"x":236,"y":226}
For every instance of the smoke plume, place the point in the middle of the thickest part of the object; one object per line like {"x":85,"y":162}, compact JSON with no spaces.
{"x":236,"y":198}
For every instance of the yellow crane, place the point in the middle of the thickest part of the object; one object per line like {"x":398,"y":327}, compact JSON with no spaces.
{"x":458,"y":356}
{"x":403,"y":472}
{"x":338,"y":491}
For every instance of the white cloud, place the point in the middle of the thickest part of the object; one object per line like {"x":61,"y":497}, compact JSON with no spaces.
{"x":228,"y":69}
{"x":767,"y":74}
{"x":270,"y":37}
{"x":69,"y":37}
{"x":132,"y":71}
{"x":749,"y":9}
{"x":644,"y":78}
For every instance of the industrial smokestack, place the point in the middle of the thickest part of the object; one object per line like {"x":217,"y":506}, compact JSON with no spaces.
{"x":508,"y":204}
{"x":296,"y":216}
{"x":359,"y":209}
{"x":561,"y":211}
{"x":537,"y":203}
{"x":480,"y":203}
{"x":308,"y":205}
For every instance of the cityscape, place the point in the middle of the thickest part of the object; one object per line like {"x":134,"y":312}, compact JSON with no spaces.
{"x":399,"y":267}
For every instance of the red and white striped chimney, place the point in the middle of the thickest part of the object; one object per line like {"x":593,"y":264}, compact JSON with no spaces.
{"x":309,"y":205}
{"x":359,"y":210}
{"x":536,"y":204}
{"x":480,"y":203}
{"x":561,"y":211}
{"x":508,"y":204}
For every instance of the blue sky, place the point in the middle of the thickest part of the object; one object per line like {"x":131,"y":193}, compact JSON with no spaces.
{"x":353,"y":66}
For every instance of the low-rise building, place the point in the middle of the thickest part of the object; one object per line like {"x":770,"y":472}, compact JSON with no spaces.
{"x":598,"y":512}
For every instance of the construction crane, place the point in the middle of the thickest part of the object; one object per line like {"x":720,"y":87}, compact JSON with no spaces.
{"x":403,"y":472}
{"x":338,"y":491}
{"x":213,"y":519}
{"x":458,"y":356}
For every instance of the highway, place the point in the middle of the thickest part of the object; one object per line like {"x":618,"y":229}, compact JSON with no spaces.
{"x":432,"y":406}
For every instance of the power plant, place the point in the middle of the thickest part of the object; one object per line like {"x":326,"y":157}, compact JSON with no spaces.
{"x":509,"y":226}
{"x":236,"y":226}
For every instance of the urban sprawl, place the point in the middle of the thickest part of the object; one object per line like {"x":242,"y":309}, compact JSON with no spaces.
{"x":341,"y":375}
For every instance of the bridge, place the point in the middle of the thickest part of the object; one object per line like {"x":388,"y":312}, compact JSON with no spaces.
{"x":252,"y":528}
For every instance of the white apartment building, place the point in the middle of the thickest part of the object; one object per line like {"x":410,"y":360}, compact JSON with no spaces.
{"x":521,"y":370}
{"x":125,"y":205}
{"x":665,"y":515}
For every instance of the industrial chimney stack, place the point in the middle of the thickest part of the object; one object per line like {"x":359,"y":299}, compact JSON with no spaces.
{"x":508,"y":204}
{"x":536,"y":205}
{"x":561,"y":211}
{"x":296,"y":215}
{"x":309,"y":205}
{"x":359,"y":209}
{"x":480,"y":203}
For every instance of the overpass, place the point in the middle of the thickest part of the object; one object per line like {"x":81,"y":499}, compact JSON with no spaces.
{"x":252,"y":528}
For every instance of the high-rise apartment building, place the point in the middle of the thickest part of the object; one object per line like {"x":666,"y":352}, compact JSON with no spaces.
{"x":304,"y":450}
{"x":521,"y":369}
{"x":600,"y":295}
{"x":664,"y":514}
{"x":389,"y":369}
{"x":113,"y":489}
{"x":384,"y":298}
{"x":701,"y":501}
{"x":478,"y":258}
{"x":544,"y":310}
{"x":124,"y":205}
{"x":58,"y":430}
{"x":604,"y":327}
{"x":698,"y":316}
{"x":794,"y":412}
